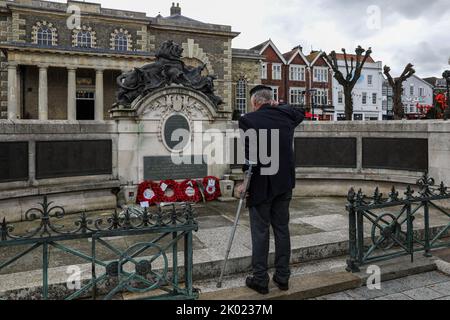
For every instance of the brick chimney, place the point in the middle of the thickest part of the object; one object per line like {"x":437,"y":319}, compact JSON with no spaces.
{"x":175,"y":10}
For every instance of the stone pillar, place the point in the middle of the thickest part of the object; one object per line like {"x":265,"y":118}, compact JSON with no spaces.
{"x":72,"y":94}
{"x":13,"y":109}
{"x":19,"y":89}
{"x":99,"y":95}
{"x":43,"y":93}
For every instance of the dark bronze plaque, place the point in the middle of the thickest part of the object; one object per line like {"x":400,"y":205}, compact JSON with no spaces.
{"x":55,"y":159}
{"x":13,"y":161}
{"x":173,"y":123}
{"x":325,"y":152}
{"x":163,"y":168}
{"x":395,"y":154}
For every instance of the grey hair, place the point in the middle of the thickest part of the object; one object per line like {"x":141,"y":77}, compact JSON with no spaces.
{"x":263,"y":96}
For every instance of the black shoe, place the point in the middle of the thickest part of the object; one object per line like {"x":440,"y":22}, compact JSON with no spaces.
{"x":252,"y":284}
{"x":282,"y":286}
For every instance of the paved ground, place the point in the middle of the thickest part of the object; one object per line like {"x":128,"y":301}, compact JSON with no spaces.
{"x":426,"y":286}
{"x":314,"y":222}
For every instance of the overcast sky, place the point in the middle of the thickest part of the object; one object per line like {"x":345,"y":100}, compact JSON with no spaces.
{"x":399,"y":31}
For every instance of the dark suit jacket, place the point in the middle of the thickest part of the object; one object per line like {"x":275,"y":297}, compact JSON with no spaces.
{"x":285,"y":118}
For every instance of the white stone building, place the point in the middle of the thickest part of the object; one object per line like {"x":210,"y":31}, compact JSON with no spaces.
{"x":417,"y":97}
{"x":367,"y":94}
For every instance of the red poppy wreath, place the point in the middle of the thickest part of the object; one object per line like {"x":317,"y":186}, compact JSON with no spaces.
{"x":148,"y":192}
{"x":169,"y":191}
{"x":189,"y":191}
{"x":212,"y":188}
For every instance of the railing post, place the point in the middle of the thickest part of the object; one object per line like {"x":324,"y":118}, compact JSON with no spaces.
{"x":410,"y":231}
{"x":426,"y":211}
{"x":94,"y":272}
{"x":360,"y":236}
{"x":410,"y":221}
{"x":175,"y":252}
{"x":45,"y":270}
{"x":188,"y":263}
{"x":351,"y":263}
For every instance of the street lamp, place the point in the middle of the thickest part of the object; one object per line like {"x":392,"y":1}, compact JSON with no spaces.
{"x":446,"y":76}
{"x":312,"y":92}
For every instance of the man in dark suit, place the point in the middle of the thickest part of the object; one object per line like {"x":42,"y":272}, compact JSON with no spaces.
{"x":270,"y":195}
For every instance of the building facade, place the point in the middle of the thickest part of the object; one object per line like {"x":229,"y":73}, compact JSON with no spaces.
{"x":60,"y":61}
{"x":298,"y":79}
{"x":367,"y":94}
{"x":417,"y":97}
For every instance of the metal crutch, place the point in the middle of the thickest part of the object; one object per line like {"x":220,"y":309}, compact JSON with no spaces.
{"x":247,"y":179}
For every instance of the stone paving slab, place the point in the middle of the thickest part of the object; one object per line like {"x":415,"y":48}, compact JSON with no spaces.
{"x":425,"y":286}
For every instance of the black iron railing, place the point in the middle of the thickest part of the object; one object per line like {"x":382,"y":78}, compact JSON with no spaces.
{"x":392,"y":223}
{"x":133,"y":270}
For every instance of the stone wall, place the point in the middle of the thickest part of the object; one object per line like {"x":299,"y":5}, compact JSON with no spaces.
{"x":74,"y":193}
{"x":132,"y":140}
{"x":5,"y":25}
{"x":245,"y":69}
{"x":102,"y":28}
{"x":333,"y":181}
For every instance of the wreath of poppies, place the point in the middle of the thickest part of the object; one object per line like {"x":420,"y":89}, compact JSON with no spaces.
{"x":189,"y":191}
{"x":170,"y":191}
{"x":442,"y":100}
{"x":212,"y":188}
{"x":148,"y":191}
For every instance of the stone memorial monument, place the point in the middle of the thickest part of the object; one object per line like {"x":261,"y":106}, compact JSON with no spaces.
{"x":152,"y":103}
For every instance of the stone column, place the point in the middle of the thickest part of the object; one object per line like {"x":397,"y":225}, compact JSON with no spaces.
{"x":99,"y":95}
{"x":43,"y":93}
{"x":72,"y":94}
{"x":13,"y":110}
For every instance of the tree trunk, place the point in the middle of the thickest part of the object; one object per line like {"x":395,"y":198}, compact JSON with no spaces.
{"x":348,"y":103}
{"x":399,"y":111}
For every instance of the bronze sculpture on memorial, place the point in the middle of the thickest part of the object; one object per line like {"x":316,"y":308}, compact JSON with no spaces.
{"x":168,"y":69}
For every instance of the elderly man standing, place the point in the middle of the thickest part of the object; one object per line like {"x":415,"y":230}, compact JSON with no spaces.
{"x":270,"y":195}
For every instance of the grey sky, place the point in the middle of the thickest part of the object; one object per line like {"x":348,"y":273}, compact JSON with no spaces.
{"x":414,"y":31}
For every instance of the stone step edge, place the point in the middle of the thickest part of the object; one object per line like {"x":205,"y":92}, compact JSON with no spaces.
{"x":309,"y":286}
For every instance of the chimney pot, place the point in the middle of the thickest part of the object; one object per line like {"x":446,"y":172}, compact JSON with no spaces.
{"x":175,"y":10}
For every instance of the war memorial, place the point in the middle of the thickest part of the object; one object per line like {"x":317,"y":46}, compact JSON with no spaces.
{"x":99,"y":201}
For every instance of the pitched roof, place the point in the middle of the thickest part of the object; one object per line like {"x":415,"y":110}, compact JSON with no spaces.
{"x":340,"y":56}
{"x":289,"y":56}
{"x":263,"y":46}
{"x":313,"y":55}
{"x":181,"y":18}
{"x":259,"y":47}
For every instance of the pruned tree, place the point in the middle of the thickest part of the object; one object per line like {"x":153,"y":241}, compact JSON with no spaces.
{"x":353,"y":73}
{"x":397,"y":88}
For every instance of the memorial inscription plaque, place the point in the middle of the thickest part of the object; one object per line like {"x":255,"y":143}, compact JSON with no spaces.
{"x":57,"y":159}
{"x":173,"y":123}
{"x":325,"y":152}
{"x":13,"y":161}
{"x":162,"y":168}
{"x":395,"y":154}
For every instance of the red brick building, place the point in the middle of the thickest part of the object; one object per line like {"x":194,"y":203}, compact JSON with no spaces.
{"x":273,"y":71}
{"x":298,"y":79}
{"x":321,"y":85}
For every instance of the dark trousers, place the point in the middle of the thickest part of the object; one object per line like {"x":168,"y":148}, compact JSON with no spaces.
{"x":273,"y":213}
